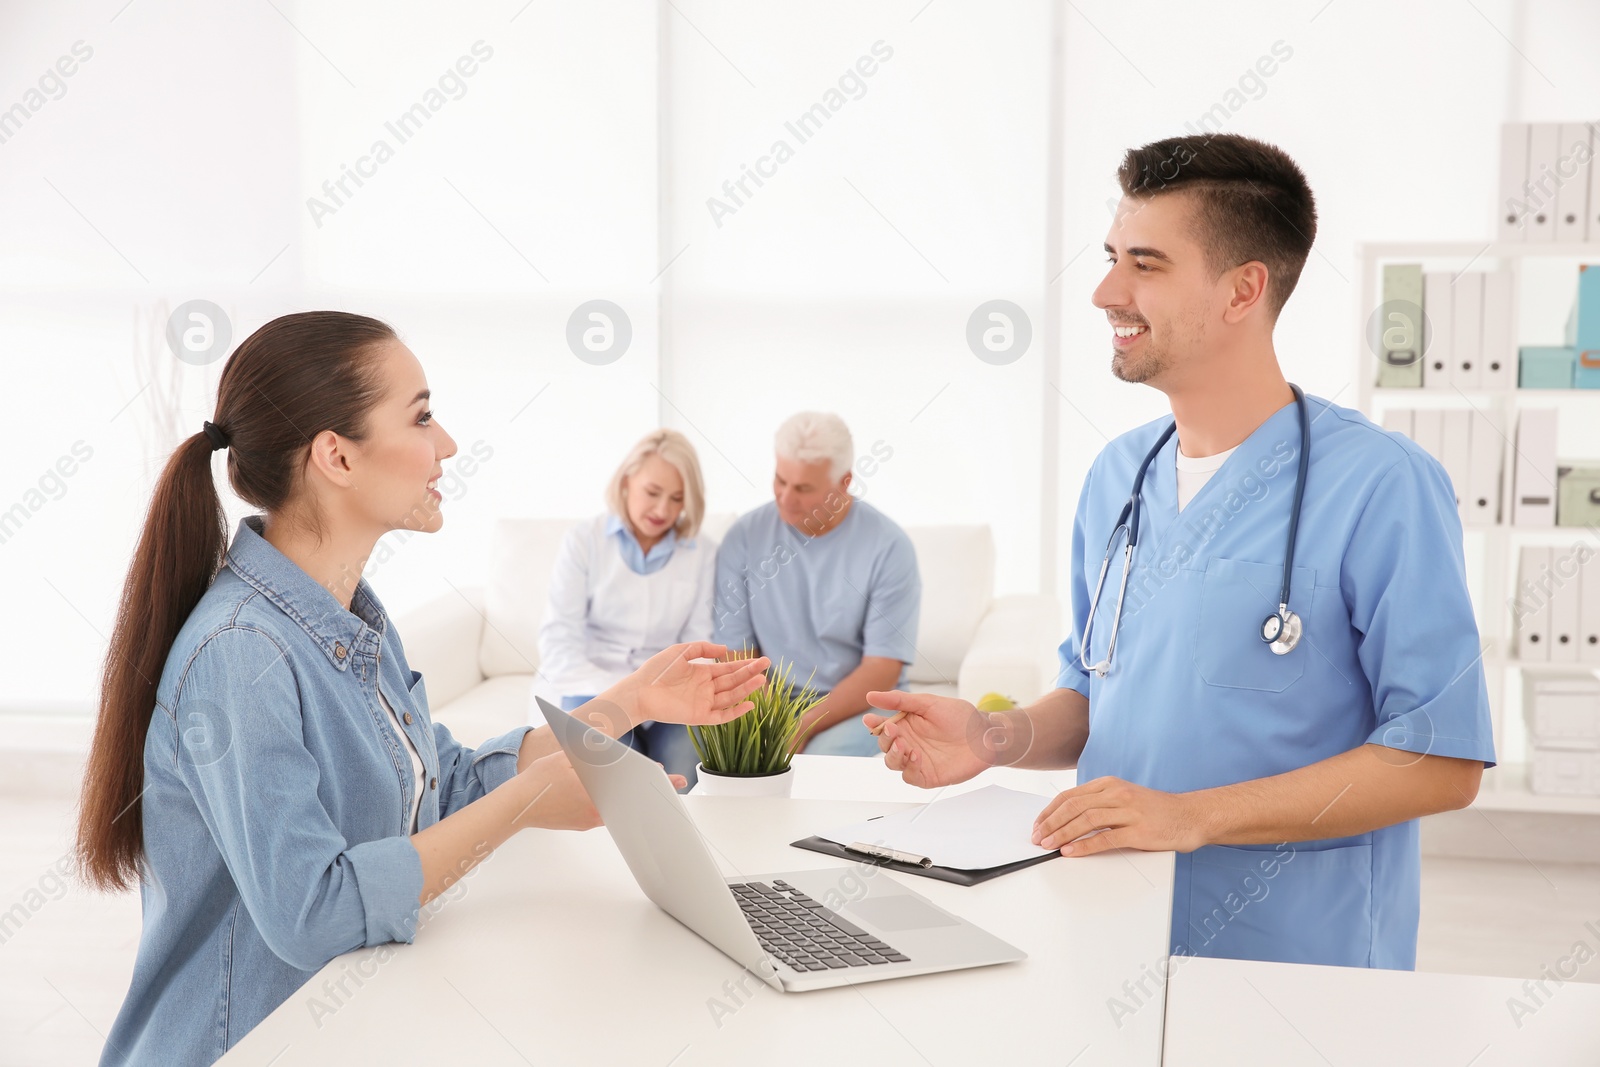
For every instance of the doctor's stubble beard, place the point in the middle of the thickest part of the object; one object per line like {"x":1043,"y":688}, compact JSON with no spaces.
{"x":1139,"y":369}
{"x":1157,"y":355}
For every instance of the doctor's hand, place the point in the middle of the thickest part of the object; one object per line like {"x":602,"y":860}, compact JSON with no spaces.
{"x":670,"y":687}
{"x":1119,"y":814}
{"x":934,"y":743}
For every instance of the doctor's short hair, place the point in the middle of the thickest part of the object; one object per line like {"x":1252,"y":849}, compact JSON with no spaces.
{"x":815,"y":436}
{"x":675,"y":448}
{"x":1254,"y":202}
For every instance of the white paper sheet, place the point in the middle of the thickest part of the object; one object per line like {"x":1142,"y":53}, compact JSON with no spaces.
{"x":973,"y":831}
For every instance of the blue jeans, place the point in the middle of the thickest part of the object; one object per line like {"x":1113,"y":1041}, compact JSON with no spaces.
{"x":847,"y":738}
{"x":665,"y":742}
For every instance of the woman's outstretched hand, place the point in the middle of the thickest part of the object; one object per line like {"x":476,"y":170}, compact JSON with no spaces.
{"x":672,"y":687}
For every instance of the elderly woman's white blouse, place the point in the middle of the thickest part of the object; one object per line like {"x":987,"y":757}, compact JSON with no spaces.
{"x":604,"y":620}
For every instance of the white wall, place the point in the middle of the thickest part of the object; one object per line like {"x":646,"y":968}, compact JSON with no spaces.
{"x":189,"y":144}
{"x":178,"y":161}
{"x":845,"y":280}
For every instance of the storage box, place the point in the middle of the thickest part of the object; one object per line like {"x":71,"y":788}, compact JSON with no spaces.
{"x":1577,"y":496}
{"x":1564,"y":712}
{"x":1564,"y":771}
{"x":1546,"y":368}
{"x":1583,"y":323}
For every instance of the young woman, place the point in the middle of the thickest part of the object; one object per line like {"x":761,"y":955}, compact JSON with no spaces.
{"x":631,"y":582}
{"x":264,"y":765}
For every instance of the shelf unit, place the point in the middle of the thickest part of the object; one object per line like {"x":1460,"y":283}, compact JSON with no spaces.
{"x":1505,"y":788}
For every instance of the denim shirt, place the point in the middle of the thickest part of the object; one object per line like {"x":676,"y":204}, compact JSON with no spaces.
{"x":277,"y":802}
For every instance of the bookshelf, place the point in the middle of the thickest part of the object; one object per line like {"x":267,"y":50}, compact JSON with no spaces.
{"x":1492,"y":549}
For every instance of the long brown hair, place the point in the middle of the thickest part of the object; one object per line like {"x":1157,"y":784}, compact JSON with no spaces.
{"x":292,"y":379}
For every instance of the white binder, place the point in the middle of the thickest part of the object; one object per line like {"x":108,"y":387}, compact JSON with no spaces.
{"x":1398,"y":341}
{"x":1534,"y":488}
{"x":1437,"y":312}
{"x":1542,"y":180}
{"x":1594,"y":191}
{"x":1533,"y":605}
{"x":1499,"y":355}
{"x":1427,"y":430}
{"x":1482,"y":505}
{"x":1512,"y":225}
{"x":1466,"y":331}
{"x":1564,"y":633}
{"x":1573,"y":161}
{"x":1589,"y":610}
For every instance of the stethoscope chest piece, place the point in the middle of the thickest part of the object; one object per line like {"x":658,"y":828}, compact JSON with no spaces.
{"x":1281,"y":631}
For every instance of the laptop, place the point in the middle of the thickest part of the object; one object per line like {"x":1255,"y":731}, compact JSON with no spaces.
{"x":797,"y":931}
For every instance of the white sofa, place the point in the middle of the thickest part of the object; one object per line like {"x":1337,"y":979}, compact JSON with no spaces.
{"x":478,"y":648}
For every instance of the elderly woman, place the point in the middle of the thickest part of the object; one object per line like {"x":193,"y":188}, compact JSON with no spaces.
{"x":631,"y":582}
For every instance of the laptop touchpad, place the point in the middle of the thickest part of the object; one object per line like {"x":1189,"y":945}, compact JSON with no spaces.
{"x":900,"y":913}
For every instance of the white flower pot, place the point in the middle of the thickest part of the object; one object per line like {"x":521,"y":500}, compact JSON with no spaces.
{"x":711,"y":784}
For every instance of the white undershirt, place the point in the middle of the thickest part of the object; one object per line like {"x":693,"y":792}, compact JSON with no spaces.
{"x":1193,"y":474}
{"x":416,"y":760}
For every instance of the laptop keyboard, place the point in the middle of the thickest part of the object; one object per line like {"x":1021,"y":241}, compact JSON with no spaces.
{"x":803,"y":933}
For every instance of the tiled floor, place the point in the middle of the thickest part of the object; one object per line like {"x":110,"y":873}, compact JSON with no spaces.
{"x":66,"y":954}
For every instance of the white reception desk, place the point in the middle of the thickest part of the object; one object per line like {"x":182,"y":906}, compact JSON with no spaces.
{"x":550,"y":954}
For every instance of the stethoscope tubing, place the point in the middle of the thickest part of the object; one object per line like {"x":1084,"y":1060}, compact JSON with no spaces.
{"x":1128,"y":523}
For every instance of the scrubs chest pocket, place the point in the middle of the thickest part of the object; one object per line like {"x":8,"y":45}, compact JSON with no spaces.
{"x":1235,"y":598}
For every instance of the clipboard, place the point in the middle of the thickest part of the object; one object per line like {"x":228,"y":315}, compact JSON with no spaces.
{"x":942,"y":874}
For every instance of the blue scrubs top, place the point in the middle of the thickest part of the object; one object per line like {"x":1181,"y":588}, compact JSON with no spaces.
{"x":1195,"y":699}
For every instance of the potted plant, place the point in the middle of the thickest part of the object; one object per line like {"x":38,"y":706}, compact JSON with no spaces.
{"x":750,"y":755}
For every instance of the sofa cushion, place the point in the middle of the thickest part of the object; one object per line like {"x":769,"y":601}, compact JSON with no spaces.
{"x":716,"y":523}
{"x":522,"y":558}
{"x":957,"y":568}
{"x":488,"y":709}
{"x":522,"y":555}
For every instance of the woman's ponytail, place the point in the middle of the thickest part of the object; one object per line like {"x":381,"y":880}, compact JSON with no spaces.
{"x":313,"y":370}
{"x":184,"y":537}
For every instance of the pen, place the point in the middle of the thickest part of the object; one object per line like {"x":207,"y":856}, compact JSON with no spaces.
{"x":896,"y":717}
{"x":886,"y":853}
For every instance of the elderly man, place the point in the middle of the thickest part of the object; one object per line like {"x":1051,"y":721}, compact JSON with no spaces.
{"x":822,"y":580}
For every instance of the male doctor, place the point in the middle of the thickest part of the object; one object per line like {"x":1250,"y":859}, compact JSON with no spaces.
{"x":1283,"y":746}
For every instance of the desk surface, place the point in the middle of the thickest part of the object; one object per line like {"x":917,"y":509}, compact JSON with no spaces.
{"x":1292,"y":1015}
{"x":550,"y":953}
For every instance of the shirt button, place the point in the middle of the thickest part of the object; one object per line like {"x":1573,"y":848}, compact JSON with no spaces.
{"x":338,"y":651}
{"x":408,"y":718}
{"x":433,"y":783}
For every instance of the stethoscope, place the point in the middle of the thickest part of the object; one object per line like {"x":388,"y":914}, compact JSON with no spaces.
{"x":1281,"y":630}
